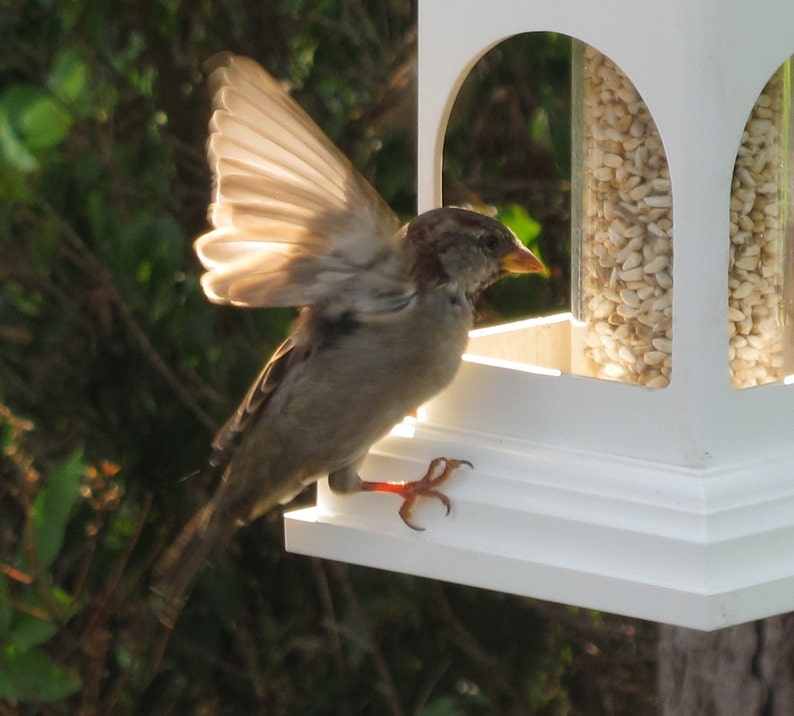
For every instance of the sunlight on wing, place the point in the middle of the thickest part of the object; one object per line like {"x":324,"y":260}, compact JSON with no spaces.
{"x":291,"y":216}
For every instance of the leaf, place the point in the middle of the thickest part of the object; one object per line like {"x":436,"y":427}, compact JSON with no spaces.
{"x":37,"y":118}
{"x":517,"y":218}
{"x":27,"y":630}
{"x":442,"y":706}
{"x":52,"y":507}
{"x":68,"y":78}
{"x":12,"y":150}
{"x":540,"y":128}
{"x":30,"y":675}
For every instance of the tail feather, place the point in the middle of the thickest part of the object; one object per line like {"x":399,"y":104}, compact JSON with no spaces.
{"x":235,"y":503}
{"x":175,"y":574}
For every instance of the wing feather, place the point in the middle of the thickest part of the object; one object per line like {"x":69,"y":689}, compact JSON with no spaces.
{"x":291,"y":217}
{"x":286,"y":356}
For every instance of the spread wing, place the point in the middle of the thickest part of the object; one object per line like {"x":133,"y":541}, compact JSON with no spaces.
{"x":294,"y":223}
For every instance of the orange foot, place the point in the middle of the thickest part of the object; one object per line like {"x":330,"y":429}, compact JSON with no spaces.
{"x":424,"y":487}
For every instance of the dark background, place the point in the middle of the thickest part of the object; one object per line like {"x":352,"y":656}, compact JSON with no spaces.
{"x":115,"y":372}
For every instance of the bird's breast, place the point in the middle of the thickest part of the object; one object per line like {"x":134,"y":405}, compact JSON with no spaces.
{"x":372,"y":377}
{"x":356,"y":387}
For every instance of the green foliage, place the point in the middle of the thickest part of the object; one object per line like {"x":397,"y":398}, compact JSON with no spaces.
{"x":109,"y":346}
{"x":518,"y":219}
{"x":28,"y":675}
{"x":36,"y":119}
{"x":32,"y":610}
{"x":68,"y":79}
{"x":51,"y":508}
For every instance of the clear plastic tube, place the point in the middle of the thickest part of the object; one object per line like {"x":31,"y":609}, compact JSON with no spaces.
{"x":622,"y":227}
{"x":759,"y":279}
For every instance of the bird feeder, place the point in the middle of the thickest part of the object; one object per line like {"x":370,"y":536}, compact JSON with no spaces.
{"x":635,"y":455}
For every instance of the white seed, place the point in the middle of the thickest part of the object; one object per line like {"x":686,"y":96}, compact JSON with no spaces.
{"x":630,"y":298}
{"x":657,"y":264}
{"x":663,"y":201}
{"x":743,"y":290}
{"x":614,"y":371}
{"x":748,"y":353}
{"x":734,"y":314}
{"x":641,"y":154}
{"x":625,"y":311}
{"x":633,"y":260}
{"x":760,"y":127}
{"x":654,"y":357}
{"x":663,"y":344}
{"x":664,"y":280}
{"x":625,"y":354}
{"x":747,"y":263}
{"x":658,"y":381}
{"x":634,"y":274}
{"x":603,"y":308}
{"x":640,"y":191}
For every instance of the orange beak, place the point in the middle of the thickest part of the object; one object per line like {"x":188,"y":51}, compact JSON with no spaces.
{"x":522,"y":260}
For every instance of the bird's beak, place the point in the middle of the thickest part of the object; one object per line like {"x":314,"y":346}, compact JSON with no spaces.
{"x":522,"y":260}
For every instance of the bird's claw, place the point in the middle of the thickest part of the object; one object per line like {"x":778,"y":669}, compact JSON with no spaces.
{"x":426,"y":486}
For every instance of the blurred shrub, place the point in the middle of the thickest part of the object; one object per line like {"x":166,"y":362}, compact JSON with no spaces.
{"x":115,"y":371}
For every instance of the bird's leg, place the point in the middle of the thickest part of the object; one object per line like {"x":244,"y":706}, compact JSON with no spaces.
{"x":438,"y":471}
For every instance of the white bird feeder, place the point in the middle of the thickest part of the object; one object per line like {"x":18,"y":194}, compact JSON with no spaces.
{"x":637,"y":455}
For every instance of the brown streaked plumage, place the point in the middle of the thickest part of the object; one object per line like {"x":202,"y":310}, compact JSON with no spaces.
{"x":386,"y":313}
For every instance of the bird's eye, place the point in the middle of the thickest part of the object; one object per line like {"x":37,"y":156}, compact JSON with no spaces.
{"x":491,"y":242}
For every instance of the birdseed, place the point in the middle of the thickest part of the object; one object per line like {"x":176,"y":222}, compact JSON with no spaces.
{"x":756,"y":297}
{"x":626,"y":231}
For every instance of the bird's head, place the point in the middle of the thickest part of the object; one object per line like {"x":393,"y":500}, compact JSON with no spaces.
{"x":465,"y":248}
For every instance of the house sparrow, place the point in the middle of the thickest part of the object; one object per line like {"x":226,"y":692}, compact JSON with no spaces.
{"x":386,"y":313}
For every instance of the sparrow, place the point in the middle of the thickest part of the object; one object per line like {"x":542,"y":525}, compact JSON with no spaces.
{"x":386,"y":311}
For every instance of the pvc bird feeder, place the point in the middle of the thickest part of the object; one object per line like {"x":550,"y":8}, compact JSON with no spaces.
{"x":635,"y":455}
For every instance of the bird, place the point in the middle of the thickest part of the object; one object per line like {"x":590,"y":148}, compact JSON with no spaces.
{"x":385,"y":312}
